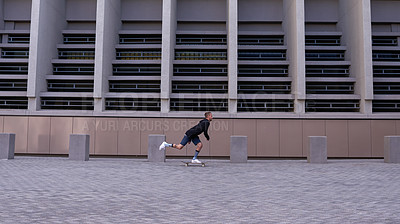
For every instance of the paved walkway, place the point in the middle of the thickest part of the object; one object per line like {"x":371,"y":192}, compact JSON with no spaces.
{"x":110,"y":190}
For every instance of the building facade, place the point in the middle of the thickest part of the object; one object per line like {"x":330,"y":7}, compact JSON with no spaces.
{"x":276,"y":71}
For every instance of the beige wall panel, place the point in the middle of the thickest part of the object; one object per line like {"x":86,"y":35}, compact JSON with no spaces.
{"x":312,"y":128}
{"x":247,"y":127}
{"x":1,"y":123}
{"x":291,"y":138}
{"x":106,"y":140}
{"x":39,"y":135}
{"x":398,"y":127}
{"x":174,"y":130}
{"x":268,"y":138}
{"x":128,"y":136}
{"x":337,"y":138}
{"x":220,"y":132}
{"x":380,"y":129}
{"x":83,"y":125}
{"x":147,"y":127}
{"x":60,"y":129}
{"x":18,"y":126}
{"x":360,"y":138}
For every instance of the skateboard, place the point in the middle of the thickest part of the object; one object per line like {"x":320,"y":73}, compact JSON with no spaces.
{"x":194,"y":164}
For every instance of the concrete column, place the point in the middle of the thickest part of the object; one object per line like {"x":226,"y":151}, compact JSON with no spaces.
{"x":167,"y":51}
{"x":392,"y":149}
{"x":238,"y":149}
{"x":154,"y":154}
{"x":79,"y":147}
{"x":232,"y":42}
{"x":108,"y":24}
{"x":355,"y":23}
{"x":293,"y":25}
{"x":7,"y":145}
{"x":47,"y":22}
{"x":317,"y":149}
{"x":2,"y":14}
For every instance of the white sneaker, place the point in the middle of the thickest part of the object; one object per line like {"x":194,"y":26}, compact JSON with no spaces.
{"x":196,"y":161}
{"x":163,"y":145}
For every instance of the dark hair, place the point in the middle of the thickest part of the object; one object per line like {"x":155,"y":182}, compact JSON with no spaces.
{"x":206,"y":114}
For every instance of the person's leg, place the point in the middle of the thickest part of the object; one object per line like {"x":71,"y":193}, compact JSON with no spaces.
{"x":199,"y":146}
{"x":184,"y":141}
{"x":179,"y":146}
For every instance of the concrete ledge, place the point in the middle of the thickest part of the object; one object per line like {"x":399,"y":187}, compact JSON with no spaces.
{"x":7,"y":145}
{"x":79,"y":147}
{"x":318,"y":150}
{"x":238,"y":147}
{"x":154,"y":154}
{"x":392,"y":149}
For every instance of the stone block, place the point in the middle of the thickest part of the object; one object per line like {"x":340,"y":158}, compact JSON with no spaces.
{"x":392,"y":149}
{"x":238,"y":147}
{"x":318,"y":150}
{"x":154,"y":154}
{"x":7,"y":145}
{"x":79,"y":147}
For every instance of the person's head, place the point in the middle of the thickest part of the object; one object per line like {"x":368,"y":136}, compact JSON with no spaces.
{"x":208,"y":115}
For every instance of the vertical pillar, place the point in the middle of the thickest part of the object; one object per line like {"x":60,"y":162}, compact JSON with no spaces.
{"x":167,"y":51}
{"x":317,"y":149}
{"x":355,"y":21}
{"x":154,"y":154}
{"x":293,"y":25}
{"x":79,"y":147}
{"x":2,"y":15}
{"x":47,"y":22}
{"x":232,"y":41}
{"x":7,"y":146}
{"x":2,"y":24}
{"x":392,"y":149}
{"x":108,"y":24}
{"x":238,"y":147}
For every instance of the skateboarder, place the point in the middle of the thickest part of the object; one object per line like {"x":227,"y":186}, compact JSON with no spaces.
{"x":192,"y":135}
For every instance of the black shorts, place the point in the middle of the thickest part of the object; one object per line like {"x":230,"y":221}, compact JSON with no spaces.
{"x":186,"y":139}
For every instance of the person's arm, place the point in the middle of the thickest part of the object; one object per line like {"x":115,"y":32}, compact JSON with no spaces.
{"x":206,"y":125}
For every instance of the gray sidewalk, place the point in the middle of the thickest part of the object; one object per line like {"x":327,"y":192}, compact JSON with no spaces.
{"x":110,"y":190}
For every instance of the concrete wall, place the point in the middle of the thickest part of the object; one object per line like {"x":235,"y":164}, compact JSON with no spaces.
{"x":141,"y":10}
{"x":385,"y":10}
{"x":80,"y":10}
{"x":17,"y":10}
{"x":321,"y":11}
{"x":266,"y":137}
{"x":206,"y":10}
{"x":48,"y":19}
{"x":259,"y":10}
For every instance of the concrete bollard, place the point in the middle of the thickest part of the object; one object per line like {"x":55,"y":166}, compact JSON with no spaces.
{"x":318,"y":150}
{"x":392,"y":149}
{"x":7,"y":145}
{"x":154,"y":154}
{"x":79,"y":147}
{"x":238,"y":147}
